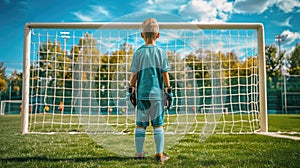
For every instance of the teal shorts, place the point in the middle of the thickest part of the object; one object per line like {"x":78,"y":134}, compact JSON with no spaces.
{"x":150,"y":110}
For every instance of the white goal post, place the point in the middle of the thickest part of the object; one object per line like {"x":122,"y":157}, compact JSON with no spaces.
{"x":75,"y":76}
{"x":10,"y":106}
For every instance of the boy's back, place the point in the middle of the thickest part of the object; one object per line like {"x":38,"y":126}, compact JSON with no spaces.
{"x":149,"y":62}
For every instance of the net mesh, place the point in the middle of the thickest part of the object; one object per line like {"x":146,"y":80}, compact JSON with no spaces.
{"x":79,"y":78}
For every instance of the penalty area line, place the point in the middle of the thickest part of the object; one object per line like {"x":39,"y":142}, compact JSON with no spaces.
{"x":278,"y":135}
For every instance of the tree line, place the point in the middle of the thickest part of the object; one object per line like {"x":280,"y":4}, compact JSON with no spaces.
{"x":84,"y":62}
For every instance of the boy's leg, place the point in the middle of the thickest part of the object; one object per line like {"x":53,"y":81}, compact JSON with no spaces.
{"x":157,"y":123}
{"x":142,"y":121}
{"x":160,"y":156}
{"x":139,"y":139}
{"x":159,"y":139}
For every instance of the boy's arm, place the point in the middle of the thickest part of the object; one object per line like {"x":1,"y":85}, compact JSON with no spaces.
{"x":166,"y":79}
{"x":168,"y":90}
{"x":133,"y":77}
{"x":131,"y":90}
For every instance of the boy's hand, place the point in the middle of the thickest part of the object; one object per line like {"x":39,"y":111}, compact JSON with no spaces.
{"x":168,"y":97}
{"x":132,"y":96}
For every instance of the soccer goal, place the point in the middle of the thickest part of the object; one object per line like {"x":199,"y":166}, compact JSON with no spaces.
{"x":76,"y":76}
{"x":10,"y":107}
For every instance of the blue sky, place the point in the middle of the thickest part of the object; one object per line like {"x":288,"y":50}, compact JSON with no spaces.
{"x":278,"y":17}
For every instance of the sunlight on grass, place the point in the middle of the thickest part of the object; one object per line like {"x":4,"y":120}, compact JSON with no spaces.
{"x":218,"y":150}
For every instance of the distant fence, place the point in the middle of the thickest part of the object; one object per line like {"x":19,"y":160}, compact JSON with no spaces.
{"x":284,"y":95}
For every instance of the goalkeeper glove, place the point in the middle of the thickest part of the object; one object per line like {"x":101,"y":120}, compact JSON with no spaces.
{"x":168,"y":97}
{"x":132,"y":96}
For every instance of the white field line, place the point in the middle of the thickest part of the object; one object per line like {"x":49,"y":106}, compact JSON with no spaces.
{"x":279,"y":135}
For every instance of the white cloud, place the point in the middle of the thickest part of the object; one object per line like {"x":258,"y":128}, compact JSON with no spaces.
{"x":206,"y":11}
{"x":95,"y":13}
{"x":288,"y":5}
{"x":259,"y":6}
{"x":197,"y":10}
{"x":289,"y":43}
{"x":216,"y":10}
{"x":252,"y":6}
{"x":284,"y":23}
{"x":82,"y":17}
{"x":159,"y":5}
{"x":100,"y":10}
{"x":150,"y":2}
{"x":291,"y":37}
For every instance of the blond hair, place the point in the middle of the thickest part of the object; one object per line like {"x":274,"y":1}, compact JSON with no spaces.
{"x":150,"y":28}
{"x":150,"y":25}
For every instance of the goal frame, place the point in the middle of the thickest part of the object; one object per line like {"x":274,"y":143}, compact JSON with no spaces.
{"x":2,"y":110}
{"x":263,"y":119}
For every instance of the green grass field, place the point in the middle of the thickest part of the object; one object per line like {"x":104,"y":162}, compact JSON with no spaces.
{"x":79,"y":150}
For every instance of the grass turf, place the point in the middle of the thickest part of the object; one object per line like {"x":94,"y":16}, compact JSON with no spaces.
{"x":233,"y":150}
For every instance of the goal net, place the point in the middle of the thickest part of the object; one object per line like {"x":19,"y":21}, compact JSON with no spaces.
{"x":10,"y":107}
{"x":76,"y":76}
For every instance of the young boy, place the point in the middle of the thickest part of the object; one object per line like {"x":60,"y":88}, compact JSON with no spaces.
{"x":150,"y":79}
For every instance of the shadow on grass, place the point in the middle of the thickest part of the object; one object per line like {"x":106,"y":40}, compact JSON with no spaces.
{"x":46,"y":159}
{"x":294,"y":118}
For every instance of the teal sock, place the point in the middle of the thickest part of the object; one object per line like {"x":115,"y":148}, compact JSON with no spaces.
{"x":159,"y":139}
{"x":139,"y":139}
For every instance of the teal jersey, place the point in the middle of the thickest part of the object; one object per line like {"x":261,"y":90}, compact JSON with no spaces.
{"x":149,"y":62}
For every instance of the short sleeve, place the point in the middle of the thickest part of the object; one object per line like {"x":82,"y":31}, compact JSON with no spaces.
{"x":165,"y":63}
{"x":134,"y":64}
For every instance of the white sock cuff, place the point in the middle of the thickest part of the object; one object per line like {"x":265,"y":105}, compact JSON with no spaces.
{"x":158,"y":131}
{"x":140,"y":130}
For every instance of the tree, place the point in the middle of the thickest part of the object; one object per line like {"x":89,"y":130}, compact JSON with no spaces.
{"x":16,"y":84}
{"x":3,"y":78}
{"x":86,"y":57}
{"x":177,"y":70}
{"x":3,"y":84}
{"x":295,"y":61}
{"x":195,"y":62}
{"x":273,"y":66}
{"x":249,"y":66}
{"x":51,"y":58}
{"x":113,"y":67}
{"x":293,"y":82}
{"x":230,"y":64}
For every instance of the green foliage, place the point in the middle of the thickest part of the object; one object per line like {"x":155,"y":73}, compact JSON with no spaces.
{"x":3,"y":77}
{"x":16,"y":84}
{"x":49,"y":53}
{"x":207,"y":68}
{"x":3,"y":84}
{"x":195,"y":63}
{"x":272,"y":66}
{"x":84,"y":62}
{"x":295,"y":61}
{"x":2,"y":71}
{"x":231,"y":64}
